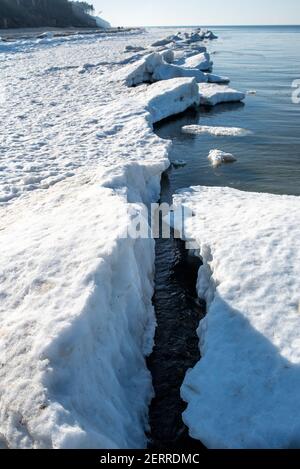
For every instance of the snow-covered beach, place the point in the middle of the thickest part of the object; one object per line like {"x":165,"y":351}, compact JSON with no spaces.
{"x":77,"y":319}
{"x":77,"y":146}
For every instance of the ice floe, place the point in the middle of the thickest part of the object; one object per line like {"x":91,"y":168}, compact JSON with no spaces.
{"x":179,"y":163}
{"x":212,"y":94}
{"x":218,"y":157}
{"x":216,"y":131}
{"x":243,"y":393}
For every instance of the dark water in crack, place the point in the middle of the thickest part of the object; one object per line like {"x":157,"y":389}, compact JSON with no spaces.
{"x":264,"y":59}
{"x":178,"y":312}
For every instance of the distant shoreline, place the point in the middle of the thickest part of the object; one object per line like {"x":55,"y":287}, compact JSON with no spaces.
{"x":13,"y":34}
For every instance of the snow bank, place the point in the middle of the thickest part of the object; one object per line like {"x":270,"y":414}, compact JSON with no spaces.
{"x":211,"y":94}
{"x":216,"y":131}
{"x":218,"y":157}
{"x":170,"y":97}
{"x":76,"y":312}
{"x":76,"y":319}
{"x":244,"y":391}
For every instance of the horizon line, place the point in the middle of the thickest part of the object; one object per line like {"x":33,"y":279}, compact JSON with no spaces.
{"x":215,"y":25}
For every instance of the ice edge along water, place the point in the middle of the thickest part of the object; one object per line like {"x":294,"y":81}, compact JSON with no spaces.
{"x":243,"y":393}
{"x":77,"y":318}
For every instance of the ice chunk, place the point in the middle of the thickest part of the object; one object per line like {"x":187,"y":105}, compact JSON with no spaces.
{"x":212,"y":78}
{"x":195,"y":37}
{"x":218,"y":157}
{"x":166,"y":98}
{"x":244,"y":392}
{"x":134,"y":48}
{"x":201,"y":61}
{"x":178,"y":163}
{"x":168,"y":55}
{"x":140,"y":71}
{"x":217,"y":131}
{"x":211,"y":94}
{"x":210,"y":35}
{"x":163,"y":42}
{"x":167,"y":71}
{"x":153,"y":68}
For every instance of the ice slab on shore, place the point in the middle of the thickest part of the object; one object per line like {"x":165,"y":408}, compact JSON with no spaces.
{"x":164,"y":42}
{"x":155,"y":67}
{"x":216,"y":131}
{"x":244,"y":392}
{"x":168,"y":71}
{"x":166,"y":98}
{"x":140,"y":71}
{"x":212,"y":78}
{"x":212,"y":94}
{"x":201,"y":61}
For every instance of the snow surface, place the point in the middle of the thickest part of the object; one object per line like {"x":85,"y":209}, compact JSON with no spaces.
{"x":216,"y":131}
{"x":212,"y":94}
{"x":243,"y":393}
{"x":77,"y":152}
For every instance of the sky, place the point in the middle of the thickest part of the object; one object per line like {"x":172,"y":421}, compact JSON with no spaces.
{"x":198,"y":12}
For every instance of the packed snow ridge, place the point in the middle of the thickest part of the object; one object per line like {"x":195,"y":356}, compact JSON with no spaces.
{"x":243,"y":393}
